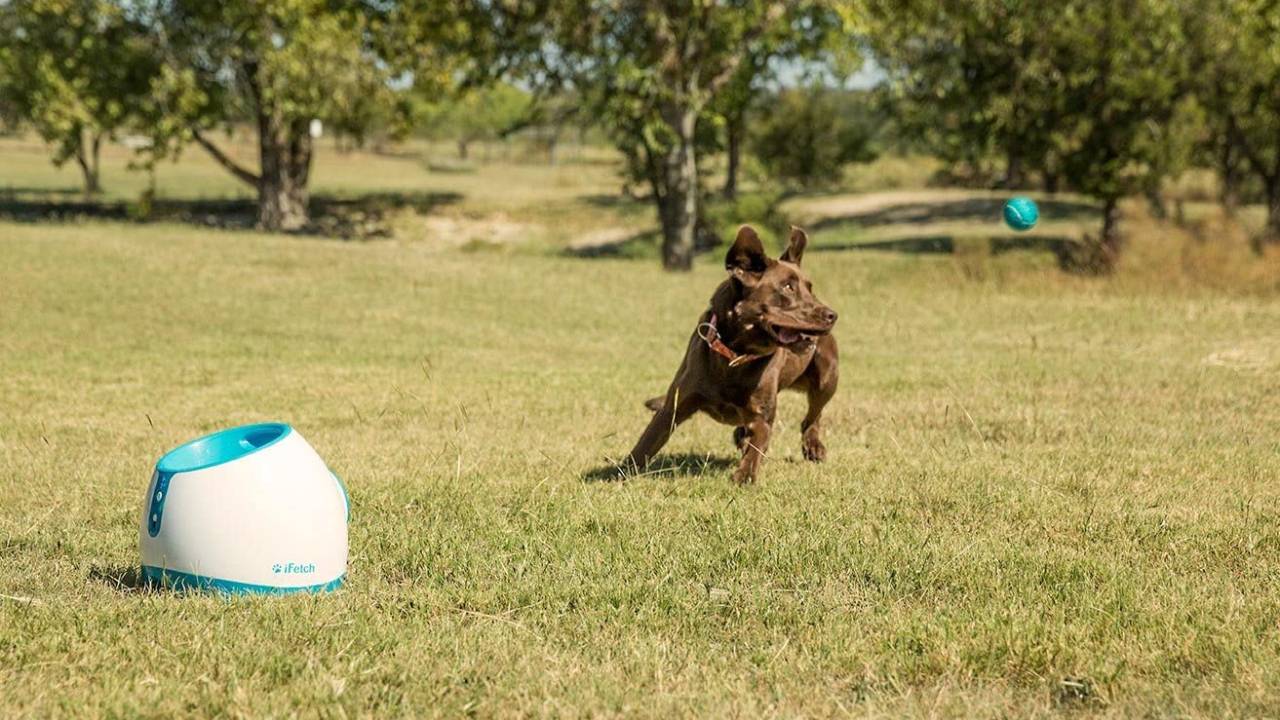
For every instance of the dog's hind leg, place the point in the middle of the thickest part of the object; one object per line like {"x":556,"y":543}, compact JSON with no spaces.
{"x":676,"y":408}
{"x":823,"y":376}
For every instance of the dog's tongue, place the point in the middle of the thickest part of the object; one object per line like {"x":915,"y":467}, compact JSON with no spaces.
{"x":787,"y":335}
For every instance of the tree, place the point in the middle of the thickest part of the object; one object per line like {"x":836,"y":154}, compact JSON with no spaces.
{"x":810,"y":134}
{"x":76,"y":71}
{"x":281,"y":66}
{"x":1236,"y":49}
{"x":1126,"y":83}
{"x":822,"y":41}
{"x":477,"y":114}
{"x":1094,"y":92}
{"x":732,"y":105}
{"x":975,"y":81}
{"x":649,"y":69}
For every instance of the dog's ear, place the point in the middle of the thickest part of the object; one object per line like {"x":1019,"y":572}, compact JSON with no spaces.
{"x":746,"y":259}
{"x":795,"y":246}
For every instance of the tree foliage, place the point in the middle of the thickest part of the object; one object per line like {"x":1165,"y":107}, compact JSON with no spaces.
{"x":981,"y":84}
{"x":808,"y":135}
{"x":820,"y":42}
{"x":476,"y":114}
{"x":279,"y":65}
{"x":1237,"y":50}
{"x":649,"y":71}
{"x":1094,"y":93}
{"x":77,"y":71}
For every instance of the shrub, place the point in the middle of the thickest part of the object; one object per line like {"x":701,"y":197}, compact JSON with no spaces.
{"x":721,"y":218}
{"x":809,"y":135}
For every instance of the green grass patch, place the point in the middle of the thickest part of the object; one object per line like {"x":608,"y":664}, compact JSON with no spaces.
{"x":1044,"y":495}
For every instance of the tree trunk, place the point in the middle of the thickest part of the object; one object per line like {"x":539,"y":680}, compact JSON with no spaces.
{"x":553,"y":144}
{"x":1271,"y":233}
{"x":736,"y":125}
{"x":1156,"y":200}
{"x":1111,"y":240}
{"x":95,"y":163}
{"x":679,"y":207}
{"x":88,"y":158}
{"x":1013,"y":175}
{"x":1228,"y":167}
{"x":1051,"y":182}
{"x":285,"y":152}
{"x":462,"y":149}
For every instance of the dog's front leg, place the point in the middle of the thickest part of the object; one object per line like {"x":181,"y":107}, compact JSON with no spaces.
{"x":758,"y":430}
{"x":675,"y":410}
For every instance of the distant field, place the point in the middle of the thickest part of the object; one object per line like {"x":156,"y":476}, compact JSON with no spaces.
{"x":511,"y":198}
{"x":1046,"y":494}
{"x":525,"y":204}
{"x":27,"y":170}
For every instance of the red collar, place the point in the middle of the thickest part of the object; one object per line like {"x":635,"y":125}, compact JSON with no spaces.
{"x":707,"y":331}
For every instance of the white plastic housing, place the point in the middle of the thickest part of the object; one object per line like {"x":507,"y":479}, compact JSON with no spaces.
{"x":253,"y":510}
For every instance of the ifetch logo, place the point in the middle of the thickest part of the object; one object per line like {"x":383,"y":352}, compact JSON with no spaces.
{"x":292,"y":568}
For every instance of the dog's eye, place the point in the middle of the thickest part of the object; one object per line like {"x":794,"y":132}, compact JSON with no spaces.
{"x":789,"y":287}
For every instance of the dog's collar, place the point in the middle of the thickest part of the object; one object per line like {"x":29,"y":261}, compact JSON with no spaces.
{"x":707,"y":331}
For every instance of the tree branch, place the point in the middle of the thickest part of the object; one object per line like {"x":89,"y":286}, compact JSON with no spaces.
{"x":224,"y":160}
{"x":1250,"y":152}
{"x":772,"y":15}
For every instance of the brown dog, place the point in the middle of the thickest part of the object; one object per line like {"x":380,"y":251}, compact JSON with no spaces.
{"x":764,"y":332}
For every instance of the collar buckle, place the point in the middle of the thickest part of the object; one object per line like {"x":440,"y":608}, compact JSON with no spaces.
{"x":711,"y":336}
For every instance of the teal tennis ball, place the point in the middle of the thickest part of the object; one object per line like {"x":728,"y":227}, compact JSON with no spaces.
{"x":1021,"y":213}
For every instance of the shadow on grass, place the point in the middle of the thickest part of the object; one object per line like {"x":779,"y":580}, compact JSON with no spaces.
{"x":123,"y":578}
{"x":674,"y":466}
{"x":12,"y":191}
{"x":646,"y":244}
{"x":946,"y":244}
{"x":972,"y":209}
{"x":642,"y":244}
{"x":363,"y":217}
{"x":1074,"y":255}
{"x":617,"y":200}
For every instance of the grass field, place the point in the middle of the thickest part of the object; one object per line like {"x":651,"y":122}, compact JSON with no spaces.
{"x":1045,"y":494}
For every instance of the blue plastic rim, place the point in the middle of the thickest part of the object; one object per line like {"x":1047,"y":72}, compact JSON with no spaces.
{"x":206,"y":452}
{"x":222,"y":447}
{"x":346,"y":499}
{"x":175,"y":580}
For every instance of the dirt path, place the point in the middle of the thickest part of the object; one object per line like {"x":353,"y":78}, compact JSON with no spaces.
{"x":817,"y":209}
{"x":909,"y":214}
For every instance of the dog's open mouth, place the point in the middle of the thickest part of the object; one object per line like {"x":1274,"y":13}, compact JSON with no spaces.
{"x":787,"y":335}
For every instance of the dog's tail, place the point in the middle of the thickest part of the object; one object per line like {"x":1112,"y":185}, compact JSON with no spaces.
{"x":655,"y":404}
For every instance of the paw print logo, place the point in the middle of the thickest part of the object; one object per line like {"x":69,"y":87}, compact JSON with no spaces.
{"x":276,"y":568}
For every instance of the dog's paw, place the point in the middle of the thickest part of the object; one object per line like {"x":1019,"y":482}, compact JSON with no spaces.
{"x":814,"y":450}
{"x":743,"y":476}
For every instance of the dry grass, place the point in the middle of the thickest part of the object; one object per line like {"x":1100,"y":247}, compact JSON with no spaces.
{"x":530,"y":205}
{"x":1043,"y":496}
{"x":1047,"y":495}
{"x":1212,"y":253}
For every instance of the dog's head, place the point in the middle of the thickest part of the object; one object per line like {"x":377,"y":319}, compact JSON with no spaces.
{"x":774,"y":305}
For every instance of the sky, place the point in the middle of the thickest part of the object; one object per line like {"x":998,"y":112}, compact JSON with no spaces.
{"x":792,"y":73}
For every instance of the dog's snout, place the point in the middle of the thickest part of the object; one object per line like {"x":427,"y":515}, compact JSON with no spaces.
{"x":831,"y":316}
